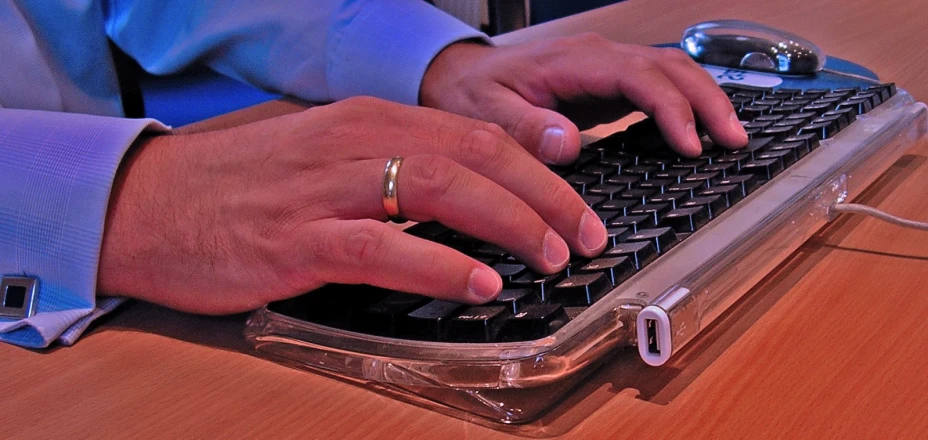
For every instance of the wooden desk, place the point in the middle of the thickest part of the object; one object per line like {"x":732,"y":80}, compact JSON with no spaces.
{"x":833,"y":345}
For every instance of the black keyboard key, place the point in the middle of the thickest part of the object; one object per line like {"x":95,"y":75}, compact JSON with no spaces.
{"x":382,"y":317}
{"x":477,"y":324}
{"x":656,"y":184}
{"x":598,"y":170}
{"x":749,"y":112}
{"x":581,"y":182}
{"x":778,"y":133}
{"x":428,"y":323}
{"x":724,"y":169}
{"x":592,"y":201}
{"x":542,"y":284}
{"x":846,"y":115}
{"x":757,"y":144}
{"x":730,"y":193}
{"x":797,"y":149}
{"x":533,"y":322}
{"x":516,"y":298}
{"x":491,"y":251}
{"x":616,"y":163}
{"x":662,"y":238}
{"x":858,"y":105}
{"x":674,"y":199}
{"x":674,"y":174}
{"x":619,"y":205}
{"x":616,"y":235}
{"x":835,"y":119}
{"x":764,"y":169}
{"x":746,"y":183}
{"x":616,"y":270}
{"x":690,"y":188}
{"x":714,"y":205}
{"x":641,"y":253}
{"x":582,"y":289}
{"x":640,"y":170}
{"x":757,"y":124}
{"x":632,"y":222}
{"x":736,"y":158}
{"x":785,"y":157}
{"x":769,"y":118}
{"x":623,"y":180}
{"x":824,"y":130}
{"x":655,"y":210}
{"x":686,"y":219}
{"x":690,"y":165}
{"x":606,"y":191}
{"x":810,"y":140}
{"x":638,"y":194}
{"x":509,"y":271}
{"x":431,"y":231}
{"x":704,"y":177}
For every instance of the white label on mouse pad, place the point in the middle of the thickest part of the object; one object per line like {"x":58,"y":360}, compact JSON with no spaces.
{"x":725,"y":75}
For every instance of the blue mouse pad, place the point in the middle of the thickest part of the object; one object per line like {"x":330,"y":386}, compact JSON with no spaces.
{"x":838,"y":73}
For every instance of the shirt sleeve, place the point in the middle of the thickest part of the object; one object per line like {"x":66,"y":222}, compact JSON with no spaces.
{"x":56,"y":172}
{"x":319,"y":51}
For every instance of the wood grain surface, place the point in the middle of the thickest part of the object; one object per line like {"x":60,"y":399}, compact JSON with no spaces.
{"x":832,"y":345}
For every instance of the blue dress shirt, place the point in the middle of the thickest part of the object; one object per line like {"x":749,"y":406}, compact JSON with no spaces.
{"x":62,"y":137}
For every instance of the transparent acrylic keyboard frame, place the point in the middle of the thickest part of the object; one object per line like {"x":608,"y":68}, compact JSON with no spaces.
{"x":690,"y":286}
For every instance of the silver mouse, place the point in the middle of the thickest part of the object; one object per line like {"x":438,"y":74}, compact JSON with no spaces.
{"x":747,"y":45}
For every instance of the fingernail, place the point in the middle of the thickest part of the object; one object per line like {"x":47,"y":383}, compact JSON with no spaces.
{"x":693,"y":138}
{"x":484,"y":283}
{"x":592,"y":231}
{"x":737,"y":127}
{"x":555,"y":249}
{"x":552,"y":145}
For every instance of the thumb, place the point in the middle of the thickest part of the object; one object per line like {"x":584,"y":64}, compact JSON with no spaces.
{"x":546,"y":134}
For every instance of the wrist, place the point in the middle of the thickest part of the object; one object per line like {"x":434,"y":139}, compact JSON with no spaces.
{"x":445,"y":73}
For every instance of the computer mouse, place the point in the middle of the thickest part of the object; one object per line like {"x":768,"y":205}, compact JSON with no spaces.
{"x":747,"y":45}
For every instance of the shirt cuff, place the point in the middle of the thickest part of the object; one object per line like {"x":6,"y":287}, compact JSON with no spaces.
{"x":386,"y":48}
{"x":56,"y":173}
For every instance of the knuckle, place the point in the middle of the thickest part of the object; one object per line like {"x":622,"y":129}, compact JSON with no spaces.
{"x":675,"y":55}
{"x":434,"y":175}
{"x":561,"y":194}
{"x":496,"y":130}
{"x":481,"y":147}
{"x":640,"y":63}
{"x":362,"y":242}
{"x":674,"y":103}
{"x":590,"y":38}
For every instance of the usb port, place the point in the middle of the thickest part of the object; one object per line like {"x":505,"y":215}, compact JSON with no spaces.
{"x":653,"y":348}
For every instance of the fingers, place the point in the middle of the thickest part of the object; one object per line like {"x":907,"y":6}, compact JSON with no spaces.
{"x":482,"y":148}
{"x":547,"y":134}
{"x":708,"y":101}
{"x":435,"y":188}
{"x":371,"y":252}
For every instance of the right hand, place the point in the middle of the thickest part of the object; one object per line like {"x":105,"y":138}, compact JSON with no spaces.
{"x":226,"y":221}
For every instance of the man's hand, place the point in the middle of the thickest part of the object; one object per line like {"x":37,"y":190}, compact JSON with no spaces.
{"x":540,"y":92}
{"x":225,"y":221}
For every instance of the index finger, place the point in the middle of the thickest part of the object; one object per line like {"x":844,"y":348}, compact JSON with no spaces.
{"x":709,"y":102}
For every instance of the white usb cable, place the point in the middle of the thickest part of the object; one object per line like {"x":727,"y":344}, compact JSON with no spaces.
{"x":855,"y":208}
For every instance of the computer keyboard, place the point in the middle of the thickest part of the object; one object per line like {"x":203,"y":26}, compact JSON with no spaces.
{"x":648,"y":198}
{"x":687,"y":237}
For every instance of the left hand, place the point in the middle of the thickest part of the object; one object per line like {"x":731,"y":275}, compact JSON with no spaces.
{"x":543,"y":93}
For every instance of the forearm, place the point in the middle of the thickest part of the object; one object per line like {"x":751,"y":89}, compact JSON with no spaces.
{"x":318,"y":51}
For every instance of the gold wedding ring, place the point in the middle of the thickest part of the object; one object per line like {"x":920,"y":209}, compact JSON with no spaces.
{"x":390,"y":202}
